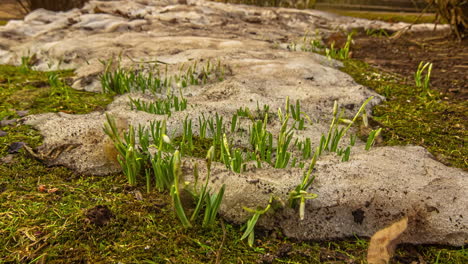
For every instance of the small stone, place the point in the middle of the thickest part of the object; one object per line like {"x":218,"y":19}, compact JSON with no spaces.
{"x":22,"y":113}
{"x":3,"y":133}
{"x":8,"y":159}
{"x":7,"y":122}
{"x":15,"y":147}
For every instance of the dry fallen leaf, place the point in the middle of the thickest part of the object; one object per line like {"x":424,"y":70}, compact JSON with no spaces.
{"x":42,"y":188}
{"x":384,"y":242}
{"x":52,"y":190}
{"x":138,"y":195}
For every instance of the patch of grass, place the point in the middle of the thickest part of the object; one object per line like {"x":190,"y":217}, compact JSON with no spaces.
{"x":51,"y":227}
{"x":410,"y":118}
{"x":387,"y":16}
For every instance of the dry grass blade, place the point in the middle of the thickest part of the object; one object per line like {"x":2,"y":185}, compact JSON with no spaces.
{"x":384,"y":242}
{"x":220,"y":250}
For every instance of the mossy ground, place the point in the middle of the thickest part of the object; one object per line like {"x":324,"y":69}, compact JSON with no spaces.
{"x":42,"y":227}
{"x":410,"y":115}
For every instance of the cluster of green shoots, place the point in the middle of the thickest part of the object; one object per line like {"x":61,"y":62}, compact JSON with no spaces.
{"x":26,"y":63}
{"x":195,"y":76}
{"x":312,"y":44}
{"x":340,"y":53}
{"x":156,"y":158}
{"x":307,"y":44}
{"x":58,"y":88}
{"x":160,"y":107}
{"x":158,"y":161}
{"x":377,"y":32}
{"x":418,"y":77}
{"x":259,"y":113}
{"x":118,"y":80}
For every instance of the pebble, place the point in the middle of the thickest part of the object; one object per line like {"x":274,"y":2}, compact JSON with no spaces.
{"x":7,"y":122}
{"x":15,"y":147}
{"x":22,"y":113}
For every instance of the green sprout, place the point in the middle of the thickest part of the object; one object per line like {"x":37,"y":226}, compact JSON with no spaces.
{"x":250,"y":225}
{"x":300,"y":192}
{"x":295,"y":112}
{"x":418,"y":79}
{"x":284,"y":139}
{"x":26,"y":63}
{"x":211,"y":202}
{"x":261,"y":140}
{"x":129,"y":157}
{"x":162,"y":107}
{"x":175,"y":191}
{"x":342,"y":53}
{"x":57,"y":86}
{"x":371,"y":138}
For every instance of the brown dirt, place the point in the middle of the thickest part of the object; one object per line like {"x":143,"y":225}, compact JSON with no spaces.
{"x":402,"y":56}
{"x":99,"y":215}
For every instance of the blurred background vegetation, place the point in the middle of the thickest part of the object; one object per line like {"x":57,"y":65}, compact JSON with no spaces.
{"x":300,"y":4}
{"x":454,"y":12}
{"x":54,"y":5}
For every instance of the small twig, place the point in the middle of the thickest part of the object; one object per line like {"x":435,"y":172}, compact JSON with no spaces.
{"x":220,"y":250}
{"x":161,"y":234}
{"x":25,"y":9}
{"x":400,"y":32}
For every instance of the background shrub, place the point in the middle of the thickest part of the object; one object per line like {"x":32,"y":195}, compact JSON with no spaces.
{"x":300,"y":4}
{"x":455,"y":12}
{"x":54,"y":5}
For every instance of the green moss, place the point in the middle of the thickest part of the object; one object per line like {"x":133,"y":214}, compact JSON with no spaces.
{"x":411,"y":117}
{"x":52,"y":226}
{"x":3,"y":22}
{"x":22,"y":88}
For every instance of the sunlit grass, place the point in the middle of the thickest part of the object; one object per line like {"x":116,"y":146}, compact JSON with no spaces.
{"x":387,"y":16}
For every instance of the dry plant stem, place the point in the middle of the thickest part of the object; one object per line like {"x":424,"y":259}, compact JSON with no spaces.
{"x":153,"y":61}
{"x":23,"y":6}
{"x":402,"y":31}
{"x":220,"y":250}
